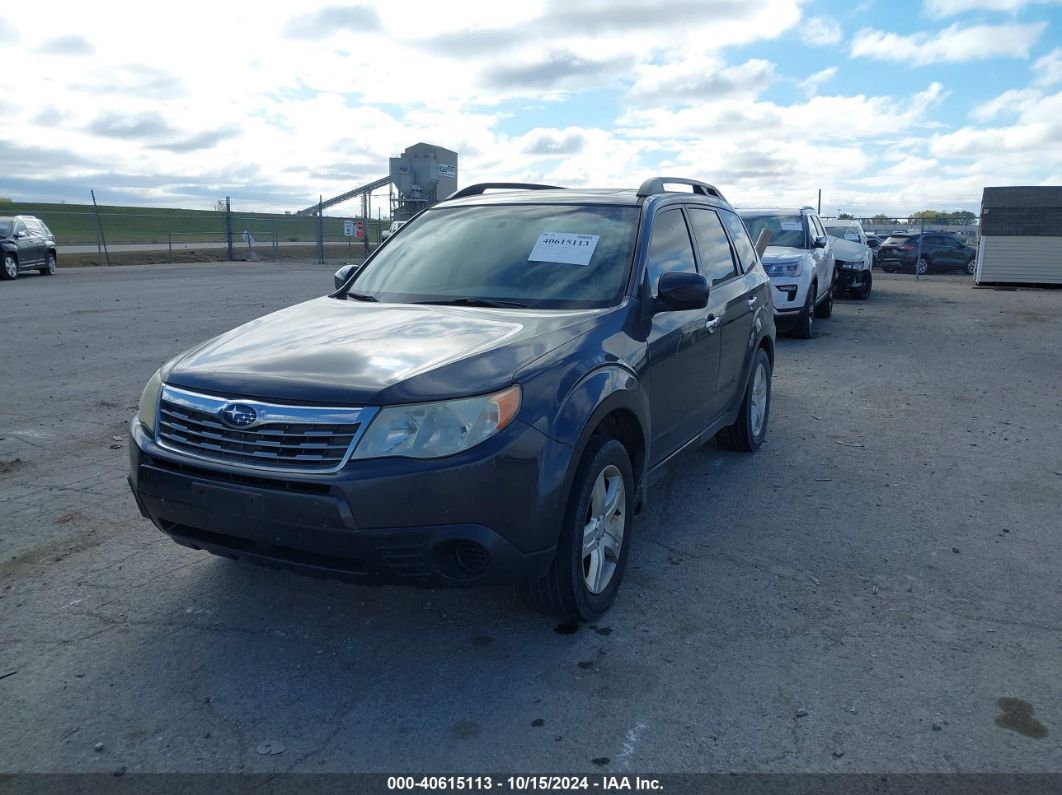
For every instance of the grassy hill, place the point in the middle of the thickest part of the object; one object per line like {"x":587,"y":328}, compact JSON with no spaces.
{"x":76,"y":223}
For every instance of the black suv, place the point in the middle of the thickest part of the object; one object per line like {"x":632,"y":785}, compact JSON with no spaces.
{"x":484,"y":401}
{"x":924,"y":252}
{"x":26,"y":244}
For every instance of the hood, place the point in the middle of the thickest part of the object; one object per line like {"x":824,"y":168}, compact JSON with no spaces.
{"x":357,"y":353}
{"x":848,"y":250}
{"x":775,"y":253}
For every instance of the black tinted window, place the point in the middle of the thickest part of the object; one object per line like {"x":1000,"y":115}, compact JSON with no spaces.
{"x":717,"y":260}
{"x":541,"y":255}
{"x":742,"y":242}
{"x":669,"y":248}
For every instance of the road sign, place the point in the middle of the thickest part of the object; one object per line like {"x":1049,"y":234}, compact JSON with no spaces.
{"x":348,"y":228}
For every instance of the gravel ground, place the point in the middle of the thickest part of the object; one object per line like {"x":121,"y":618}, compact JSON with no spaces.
{"x":876,"y":590}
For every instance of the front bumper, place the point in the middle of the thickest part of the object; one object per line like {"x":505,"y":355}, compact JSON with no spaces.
{"x":488,"y":516}
{"x":849,"y":279}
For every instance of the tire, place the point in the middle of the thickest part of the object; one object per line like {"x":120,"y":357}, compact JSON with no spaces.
{"x":824,"y":308}
{"x":10,"y":270}
{"x":806,"y":322}
{"x":971,"y":266}
{"x":921,"y":267}
{"x":749,"y":429}
{"x":862,"y":293}
{"x":49,"y":268}
{"x":574,"y":589}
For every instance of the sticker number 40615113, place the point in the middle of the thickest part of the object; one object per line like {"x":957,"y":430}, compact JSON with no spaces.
{"x":564,"y":247}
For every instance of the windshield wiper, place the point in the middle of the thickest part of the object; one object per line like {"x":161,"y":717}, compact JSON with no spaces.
{"x":468,"y":300}
{"x":360,"y":296}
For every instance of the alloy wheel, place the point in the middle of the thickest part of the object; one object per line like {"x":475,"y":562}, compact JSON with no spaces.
{"x":759,"y":399}
{"x":10,"y":267}
{"x":603,"y":529}
{"x":922,"y":267}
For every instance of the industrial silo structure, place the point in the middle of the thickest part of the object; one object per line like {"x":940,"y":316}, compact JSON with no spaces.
{"x":421,"y":176}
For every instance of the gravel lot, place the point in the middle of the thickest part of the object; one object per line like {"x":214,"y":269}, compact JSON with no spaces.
{"x":858,"y":596}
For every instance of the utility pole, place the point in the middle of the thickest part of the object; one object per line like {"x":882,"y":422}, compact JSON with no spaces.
{"x":320,"y":229}
{"x":228,"y":228}
{"x":101,"y":241}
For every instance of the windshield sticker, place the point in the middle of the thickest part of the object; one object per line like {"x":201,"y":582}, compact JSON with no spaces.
{"x":792,"y":226}
{"x":564,"y":247}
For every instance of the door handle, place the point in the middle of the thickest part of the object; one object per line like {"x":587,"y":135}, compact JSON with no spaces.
{"x":712,"y":323}
{"x":752,"y":301}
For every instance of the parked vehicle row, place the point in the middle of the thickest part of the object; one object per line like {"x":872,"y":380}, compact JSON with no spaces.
{"x":26,"y":244}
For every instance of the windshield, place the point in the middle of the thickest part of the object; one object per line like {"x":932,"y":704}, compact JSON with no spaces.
{"x":843,"y":231}
{"x":785,"y":230}
{"x":546,"y":256}
{"x":5,"y":229}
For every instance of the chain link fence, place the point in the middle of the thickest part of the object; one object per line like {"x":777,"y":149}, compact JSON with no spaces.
{"x":87,"y":235}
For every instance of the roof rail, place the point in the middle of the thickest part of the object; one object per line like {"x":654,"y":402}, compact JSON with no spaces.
{"x":656,"y":185}
{"x":483,"y":187}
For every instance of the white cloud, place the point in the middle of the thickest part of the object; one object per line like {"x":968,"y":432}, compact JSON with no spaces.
{"x":952,"y":44}
{"x":811,"y":84}
{"x":821,"y":32}
{"x":945,"y":8}
{"x":1048,"y":69}
{"x":1011,"y":102}
{"x":701,"y":77}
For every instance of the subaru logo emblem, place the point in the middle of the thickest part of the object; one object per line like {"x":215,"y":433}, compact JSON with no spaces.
{"x":238,"y":415}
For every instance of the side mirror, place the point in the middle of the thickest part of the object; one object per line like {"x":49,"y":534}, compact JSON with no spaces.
{"x":821,"y":241}
{"x":678,"y":290}
{"x":344,"y":273}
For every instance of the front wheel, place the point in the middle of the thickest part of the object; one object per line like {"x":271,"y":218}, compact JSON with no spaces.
{"x":862,"y":292}
{"x":595,"y":539}
{"x":10,"y":269}
{"x":824,"y":309}
{"x":49,"y":268}
{"x":750,"y":427}
{"x":806,"y":322}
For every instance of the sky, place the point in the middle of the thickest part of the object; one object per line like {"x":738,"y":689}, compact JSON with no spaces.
{"x":890,"y":107}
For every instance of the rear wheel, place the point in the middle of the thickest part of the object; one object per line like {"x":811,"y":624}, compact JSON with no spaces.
{"x":971,"y":266}
{"x":595,"y":539}
{"x":49,"y":268}
{"x":922,"y":266}
{"x":750,"y":427}
{"x":806,"y":322}
{"x":862,"y":292}
{"x":10,"y":269}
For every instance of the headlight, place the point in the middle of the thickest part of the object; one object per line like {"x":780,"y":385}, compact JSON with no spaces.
{"x":149,"y":402}
{"x":785,"y":268}
{"x":433,"y":430}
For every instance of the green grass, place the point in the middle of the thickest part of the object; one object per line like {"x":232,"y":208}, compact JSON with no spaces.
{"x":76,"y":223}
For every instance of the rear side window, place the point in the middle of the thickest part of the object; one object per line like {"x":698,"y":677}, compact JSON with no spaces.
{"x":670,"y":248}
{"x":717,"y":259}
{"x":740,"y":235}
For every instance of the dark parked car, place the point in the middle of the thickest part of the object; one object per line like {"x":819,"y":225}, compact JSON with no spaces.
{"x":925,"y":252}
{"x":484,"y":401}
{"x":26,"y":244}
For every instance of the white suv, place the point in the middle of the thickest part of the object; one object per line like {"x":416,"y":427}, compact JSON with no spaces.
{"x":799,"y":259}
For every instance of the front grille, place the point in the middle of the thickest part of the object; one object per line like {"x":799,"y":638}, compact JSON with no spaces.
{"x":284,"y":438}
